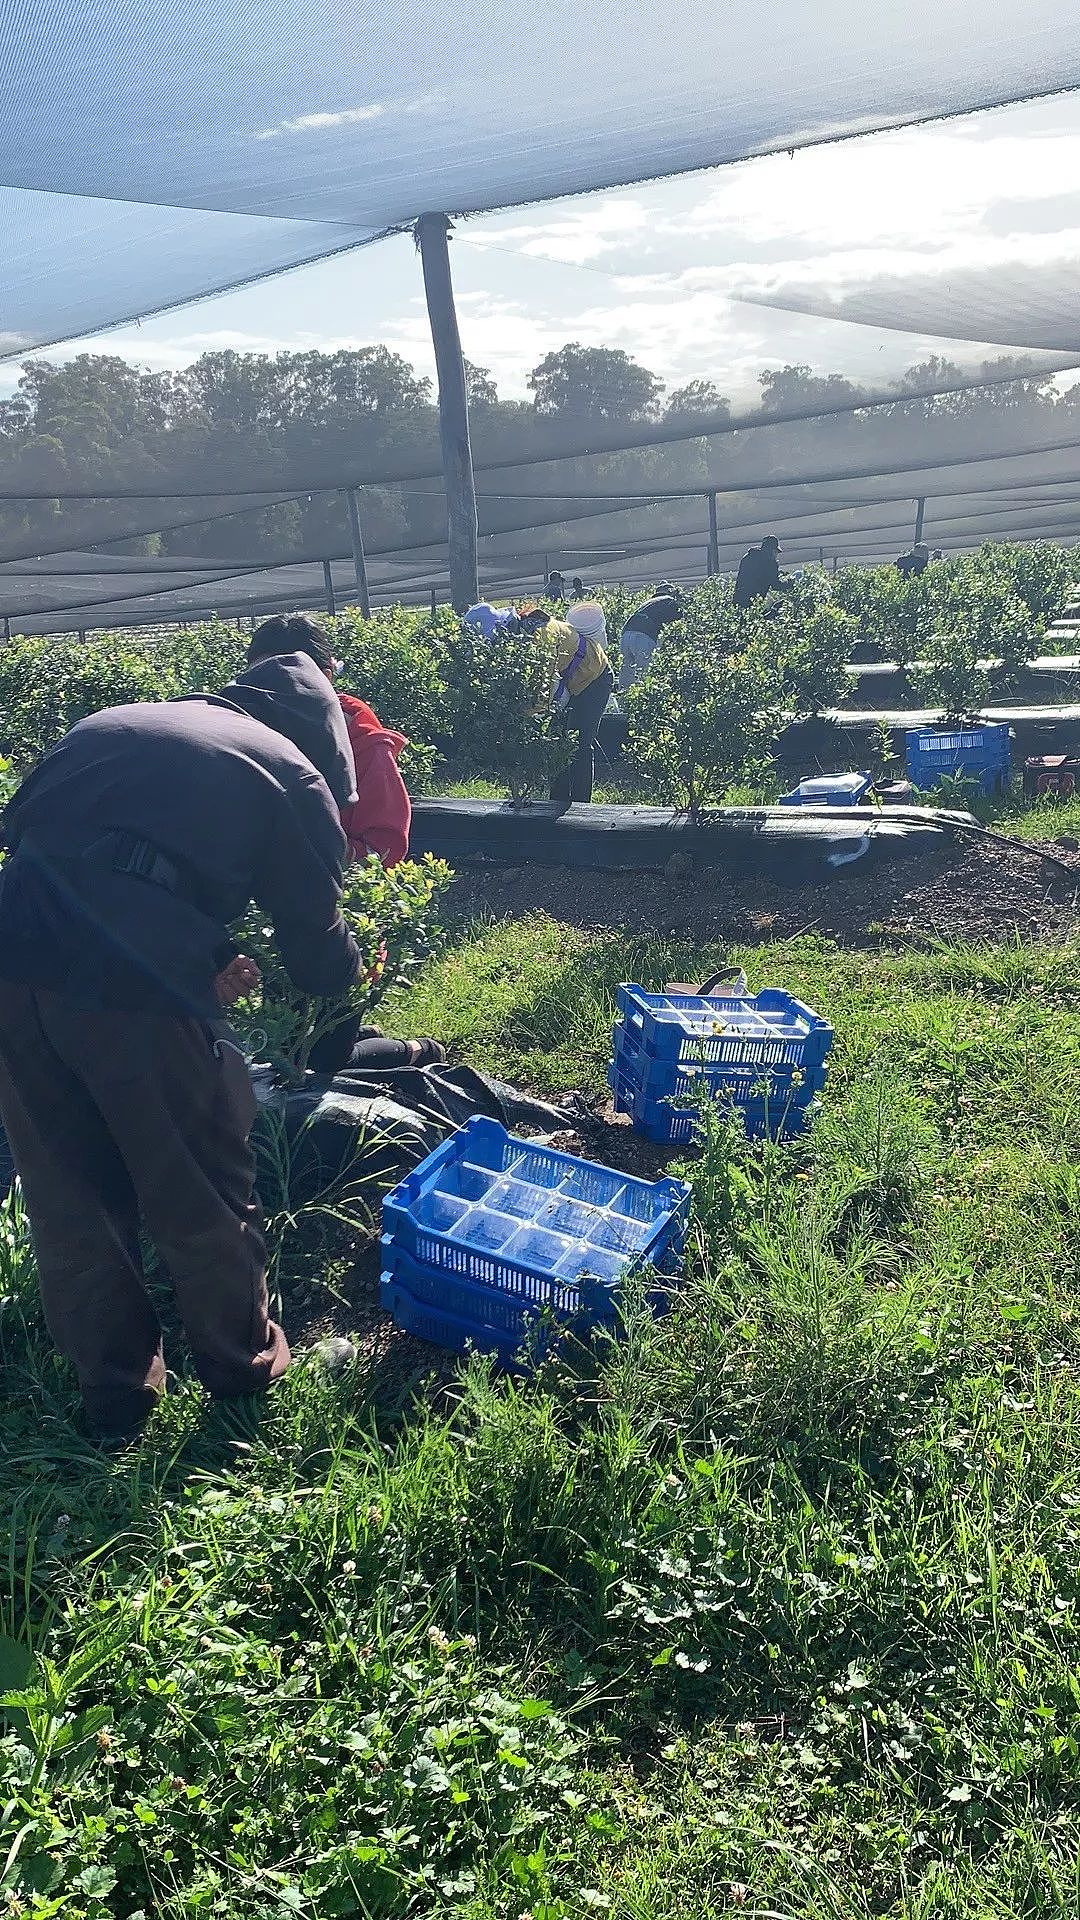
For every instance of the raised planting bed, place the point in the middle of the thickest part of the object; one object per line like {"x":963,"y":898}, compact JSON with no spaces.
{"x":786,"y":842}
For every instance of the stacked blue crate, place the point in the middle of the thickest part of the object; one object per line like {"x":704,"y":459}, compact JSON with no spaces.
{"x":978,"y":753}
{"x":829,"y":790}
{"x":490,"y":1233}
{"x":763,"y":1055}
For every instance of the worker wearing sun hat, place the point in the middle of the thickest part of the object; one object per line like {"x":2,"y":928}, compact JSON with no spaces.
{"x":584,"y":684}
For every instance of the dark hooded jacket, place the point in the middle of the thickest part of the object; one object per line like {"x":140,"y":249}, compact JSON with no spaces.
{"x":758,"y":575}
{"x":149,"y":828}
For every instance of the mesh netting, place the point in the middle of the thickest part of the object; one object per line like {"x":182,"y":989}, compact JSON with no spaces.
{"x":292,"y":131}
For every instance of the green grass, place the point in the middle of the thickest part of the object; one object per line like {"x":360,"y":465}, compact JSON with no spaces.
{"x":770,"y":1609}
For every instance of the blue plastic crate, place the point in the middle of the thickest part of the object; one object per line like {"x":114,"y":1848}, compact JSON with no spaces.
{"x":738,"y":1080}
{"x":495,"y":1322}
{"x":829,"y":790}
{"x":767,"y":1029}
{"x":985,"y":745}
{"x":660,"y":1119}
{"x":979,"y":753}
{"x":523,"y":1220}
{"x":444,"y":1329}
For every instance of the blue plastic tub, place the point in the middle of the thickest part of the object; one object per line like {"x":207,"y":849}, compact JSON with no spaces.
{"x":741,"y":1081}
{"x":829,"y":790}
{"x":458,"y":1313}
{"x":767,"y":1029}
{"x":979,"y":753}
{"x":660,"y":1117}
{"x":444,"y":1329}
{"x":545,"y":1229}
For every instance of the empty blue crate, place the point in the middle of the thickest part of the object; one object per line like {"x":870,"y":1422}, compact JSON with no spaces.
{"x":829,"y":790}
{"x":978,"y":753}
{"x":490,"y":1230}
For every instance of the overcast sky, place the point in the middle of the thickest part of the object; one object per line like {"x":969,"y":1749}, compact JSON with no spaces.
{"x":653,"y":269}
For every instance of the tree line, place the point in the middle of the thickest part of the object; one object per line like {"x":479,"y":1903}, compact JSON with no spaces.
{"x":100,"y":419}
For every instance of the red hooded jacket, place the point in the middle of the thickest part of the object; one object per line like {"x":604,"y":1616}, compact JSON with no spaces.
{"x":379,"y":818}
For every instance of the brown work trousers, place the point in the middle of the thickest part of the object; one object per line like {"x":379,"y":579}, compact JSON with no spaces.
{"x":114,"y":1115}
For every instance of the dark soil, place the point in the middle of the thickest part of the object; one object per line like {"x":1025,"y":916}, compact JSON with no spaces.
{"x":968,"y":891}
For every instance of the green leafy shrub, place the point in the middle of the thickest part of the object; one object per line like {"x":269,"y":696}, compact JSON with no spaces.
{"x":892,"y":615}
{"x":978,"y":618}
{"x":498,"y":694}
{"x":953,"y":678}
{"x":1041,"y":575}
{"x":810,"y":638}
{"x":48,"y":684}
{"x":394,"y":661}
{"x":391,"y":916}
{"x":707,"y":712}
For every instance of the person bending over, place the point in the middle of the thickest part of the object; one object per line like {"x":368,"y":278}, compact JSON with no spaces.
{"x":759,"y":573}
{"x":910,"y":565}
{"x":641,"y":634}
{"x":377,"y":821}
{"x":584,"y":684}
{"x":131,"y":848}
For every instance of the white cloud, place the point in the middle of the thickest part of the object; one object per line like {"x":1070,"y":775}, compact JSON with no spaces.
{"x":349,"y":116}
{"x":583,"y":233}
{"x":318,"y":122}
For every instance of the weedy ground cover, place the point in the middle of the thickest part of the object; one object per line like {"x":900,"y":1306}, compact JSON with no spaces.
{"x":770,"y":1608}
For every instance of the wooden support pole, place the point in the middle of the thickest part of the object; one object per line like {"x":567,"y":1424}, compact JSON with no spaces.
{"x":7,"y":626}
{"x":328,"y":583}
{"x":920,"y":510}
{"x":363,"y":597}
{"x":432,"y":231}
{"x":435,"y":603}
{"x":714,"y":534}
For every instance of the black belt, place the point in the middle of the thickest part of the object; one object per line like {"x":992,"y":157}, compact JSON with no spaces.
{"x":128,"y":853}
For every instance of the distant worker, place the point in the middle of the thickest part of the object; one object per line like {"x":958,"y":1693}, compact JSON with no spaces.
{"x":379,"y":819}
{"x":577,"y":587}
{"x":584,"y":684}
{"x":641,"y":634}
{"x":910,"y":565}
{"x":759,"y":573}
{"x":132,"y":847}
{"x":556,"y":587}
{"x":488,"y":620}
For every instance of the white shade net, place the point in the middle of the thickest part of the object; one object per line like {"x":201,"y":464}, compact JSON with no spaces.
{"x":291,"y":131}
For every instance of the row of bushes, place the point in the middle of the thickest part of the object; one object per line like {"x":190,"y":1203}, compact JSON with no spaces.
{"x":720,"y":675}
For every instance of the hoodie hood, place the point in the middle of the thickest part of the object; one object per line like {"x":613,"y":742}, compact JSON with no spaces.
{"x":363,"y":724}
{"x":289,"y":693}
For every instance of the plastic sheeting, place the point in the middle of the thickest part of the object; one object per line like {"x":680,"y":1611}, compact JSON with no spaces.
{"x":347,"y":120}
{"x":1034,"y":304}
{"x":73,"y":265}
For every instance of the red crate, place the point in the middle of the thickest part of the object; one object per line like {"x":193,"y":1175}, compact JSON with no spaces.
{"x":1052,"y":773}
